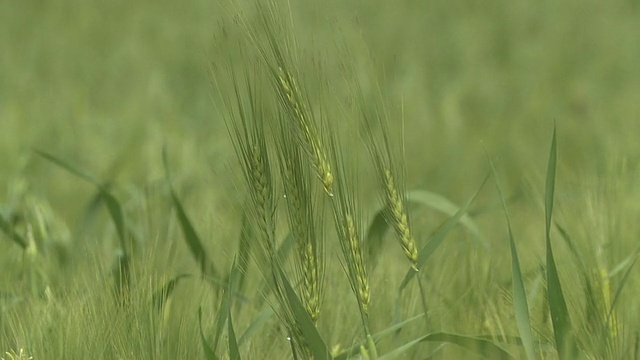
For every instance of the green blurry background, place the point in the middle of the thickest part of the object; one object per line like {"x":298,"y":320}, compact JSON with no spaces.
{"x":106,"y":85}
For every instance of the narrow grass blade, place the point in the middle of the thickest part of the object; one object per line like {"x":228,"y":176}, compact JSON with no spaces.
{"x":192,"y":239}
{"x":282,"y":253}
{"x":113,"y":205}
{"x":310,"y":333}
{"x":446,"y":206}
{"x":221,"y":318}
{"x":70,"y":168}
{"x":438,"y":237}
{"x":623,"y":282}
{"x":190,"y":235}
{"x":482,"y":347}
{"x":565,"y":344}
{"x":115,"y":212}
{"x":161,"y":296}
{"x":347,"y":353}
{"x":521,"y":306}
{"x":257,"y":325}
{"x":234,"y":352}
{"x":7,"y":229}
{"x":117,"y":216}
{"x":209,"y":354}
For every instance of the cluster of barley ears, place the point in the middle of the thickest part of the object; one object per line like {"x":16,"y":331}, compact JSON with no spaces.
{"x":306,"y":145}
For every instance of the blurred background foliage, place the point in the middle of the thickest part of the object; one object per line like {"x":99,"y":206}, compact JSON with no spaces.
{"x":106,"y":85}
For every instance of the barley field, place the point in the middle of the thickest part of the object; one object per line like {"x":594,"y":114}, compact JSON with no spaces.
{"x":319,"y":180}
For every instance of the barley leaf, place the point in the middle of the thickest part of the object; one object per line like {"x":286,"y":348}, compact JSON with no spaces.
{"x":192,"y":239}
{"x":378,"y":225}
{"x":623,"y":282}
{"x":190,"y":235}
{"x":445,"y":206}
{"x":557,"y":305}
{"x":70,"y":168}
{"x":346,"y":354}
{"x":161,"y":296}
{"x":113,"y":205}
{"x":438,"y":237}
{"x":209,"y":354}
{"x":309,"y":331}
{"x":234,"y":352}
{"x":521,"y":306}
{"x":117,"y":216}
{"x":7,"y":229}
{"x":482,"y":347}
{"x":257,"y":325}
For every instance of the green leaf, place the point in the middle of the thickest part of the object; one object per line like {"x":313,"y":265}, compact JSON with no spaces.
{"x":234,"y":352}
{"x":309,"y":331}
{"x":115,"y":212}
{"x":192,"y":239}
{"x":68,"y":167}
{"x":345,"y":354}
{"x":482,"y":347}
{"x":521,"y":306}
{"x":190,"y":235}
{"x":117,"y":216}
{"x":379,"y":226}
{"x":7,"y":229}
{"x":254,"y":328}
{"x":113,"y":205}
{"x":623,"y":282}
{"x":160,"y":297}
{"x":209,"y":354}
{"x":445,"y":206}
{"x":565,"y":344}
{"x":438,"y":237}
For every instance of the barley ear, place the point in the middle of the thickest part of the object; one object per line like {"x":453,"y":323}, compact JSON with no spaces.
{"x":393,"y":194}
{"x":348,"y":228}
{"x":293,"y":101}
{"x":300,"y":208}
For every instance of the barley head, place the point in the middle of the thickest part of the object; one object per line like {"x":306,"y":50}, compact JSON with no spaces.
{"x":398,"y":216}
{"x":301,"y":219}
{"x":293,"y":102}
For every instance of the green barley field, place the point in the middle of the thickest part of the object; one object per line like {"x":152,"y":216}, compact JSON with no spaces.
{"x":319,"y":180}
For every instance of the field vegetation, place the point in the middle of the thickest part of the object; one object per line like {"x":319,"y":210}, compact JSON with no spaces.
{"x":336,"y":180}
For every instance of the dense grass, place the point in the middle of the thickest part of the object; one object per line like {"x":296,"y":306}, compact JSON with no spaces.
{"x":127,"y":201}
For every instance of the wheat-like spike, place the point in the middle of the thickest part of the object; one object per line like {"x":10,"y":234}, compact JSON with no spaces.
{"x":356,"y":259}
{"x":292,"y":98}
{"x":261,"y":191}
{"x":399,"y":218}
{"x":302,"y":223}
{"x":249,"y":140}
{"x":396,"y":212}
